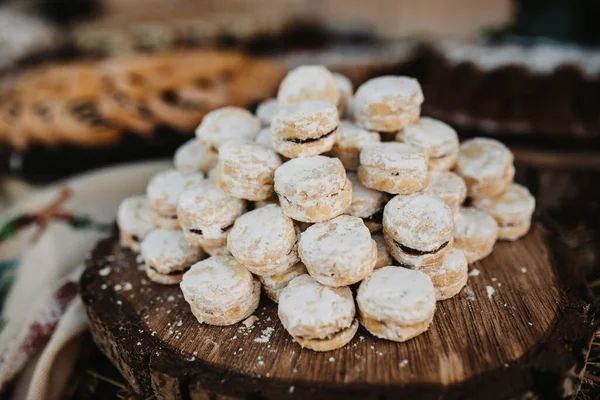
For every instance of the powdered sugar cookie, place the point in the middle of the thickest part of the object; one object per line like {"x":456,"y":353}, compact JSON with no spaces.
{"x":393,"y":168}
{"x":227,"y":124}
{"x":396,"y":303}
{"x":264,"y":241}
{"x":318,"y":317}
{"x":308,"y":82}
{"x":193,"y":156}
{"x":388,"y":103}
{"x":475,"y":232}
{"x":163,"y":192}
{"x":134,"y":221}
{"x":220,"y":291}
{"x":447,"y":186}
{"x":345,"y":91}
{"x":486,"y":166}
{"x":451,"y":276}
{"x":274,"y":284}
{"x":512,"y":210}
{"x":246,"y":170}
{"x":266,"y":110}
{"x":313,"y":189}
{"x":338,"y":252}
{"x":350,"y":140}
{"x":366,"y":204}
{"x":167,"y":255}
{"x":383,"y":256}
{"x":438,"y":139}
{"x":417,"y":229}
{"x":305,"y":129}
{"x":206,"y":215}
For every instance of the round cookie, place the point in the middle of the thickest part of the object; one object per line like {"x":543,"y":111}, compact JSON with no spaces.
{"x":366,"y":204}
{"x":512,"y":210}
{"x":486,"y":165}
{"x":264,"y":241}
{"x":227,"y":124}
{"x":447,"y":186}
{"x":134,"y":221}
{"x":350,"y":140}
{"x":438,"y":139}
{"x":167,"y":255}
{"x":220,"y":291}
{"x":313,"y":189}
{"x":338,"y":252}
{"x":206,"y":215}
{"x":305,"y":129}
{"x":273,"y":285}
{"x":396,"y":303}
{"x":308,"y":82}
{"x":417,"y":229}
{"x":245,"y":170}
{"x":388,"y":103}
{"x":393,"y":168}
{"x":193,"y":156}
{"x":266,"y":110}
{"x":163,"y":192}
{"x":450,"y":277}
{"x":318,"y":317}
{"x":475,"y":233}
{"x":345,"y":91}
{"x":383,"y":256}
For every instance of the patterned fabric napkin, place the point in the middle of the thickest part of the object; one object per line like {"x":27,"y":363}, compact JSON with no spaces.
{"x":43,"y":243}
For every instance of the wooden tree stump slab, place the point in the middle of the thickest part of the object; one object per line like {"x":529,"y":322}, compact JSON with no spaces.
{"x":520,"y":329}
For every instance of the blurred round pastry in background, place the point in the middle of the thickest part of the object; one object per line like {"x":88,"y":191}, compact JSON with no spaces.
{"x":308,"y":82}
{"x":227,"y":124}
{"x":486,"y":165}
{"x":512,"y":210}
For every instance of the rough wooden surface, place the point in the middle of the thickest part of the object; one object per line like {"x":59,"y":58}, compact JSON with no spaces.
{"x":531,"y":336}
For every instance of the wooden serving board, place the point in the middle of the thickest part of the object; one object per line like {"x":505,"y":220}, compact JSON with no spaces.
{"x":520,"y":328}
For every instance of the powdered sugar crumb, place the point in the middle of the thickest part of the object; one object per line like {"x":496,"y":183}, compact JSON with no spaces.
{"x":490,"y":291}
{"x":403,"y":363}
{"x":265,"y":335}
{"x":104,"y":271}
{"x":474,"y":272}
{"x":248,"y":322}
{"x":523,"y":270}
{"x":469,"y":293}
{"x":292,"y":388}
{"x":331,"y":359}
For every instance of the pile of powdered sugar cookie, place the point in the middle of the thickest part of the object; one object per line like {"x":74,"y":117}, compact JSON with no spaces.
{"x":339,"y":206}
